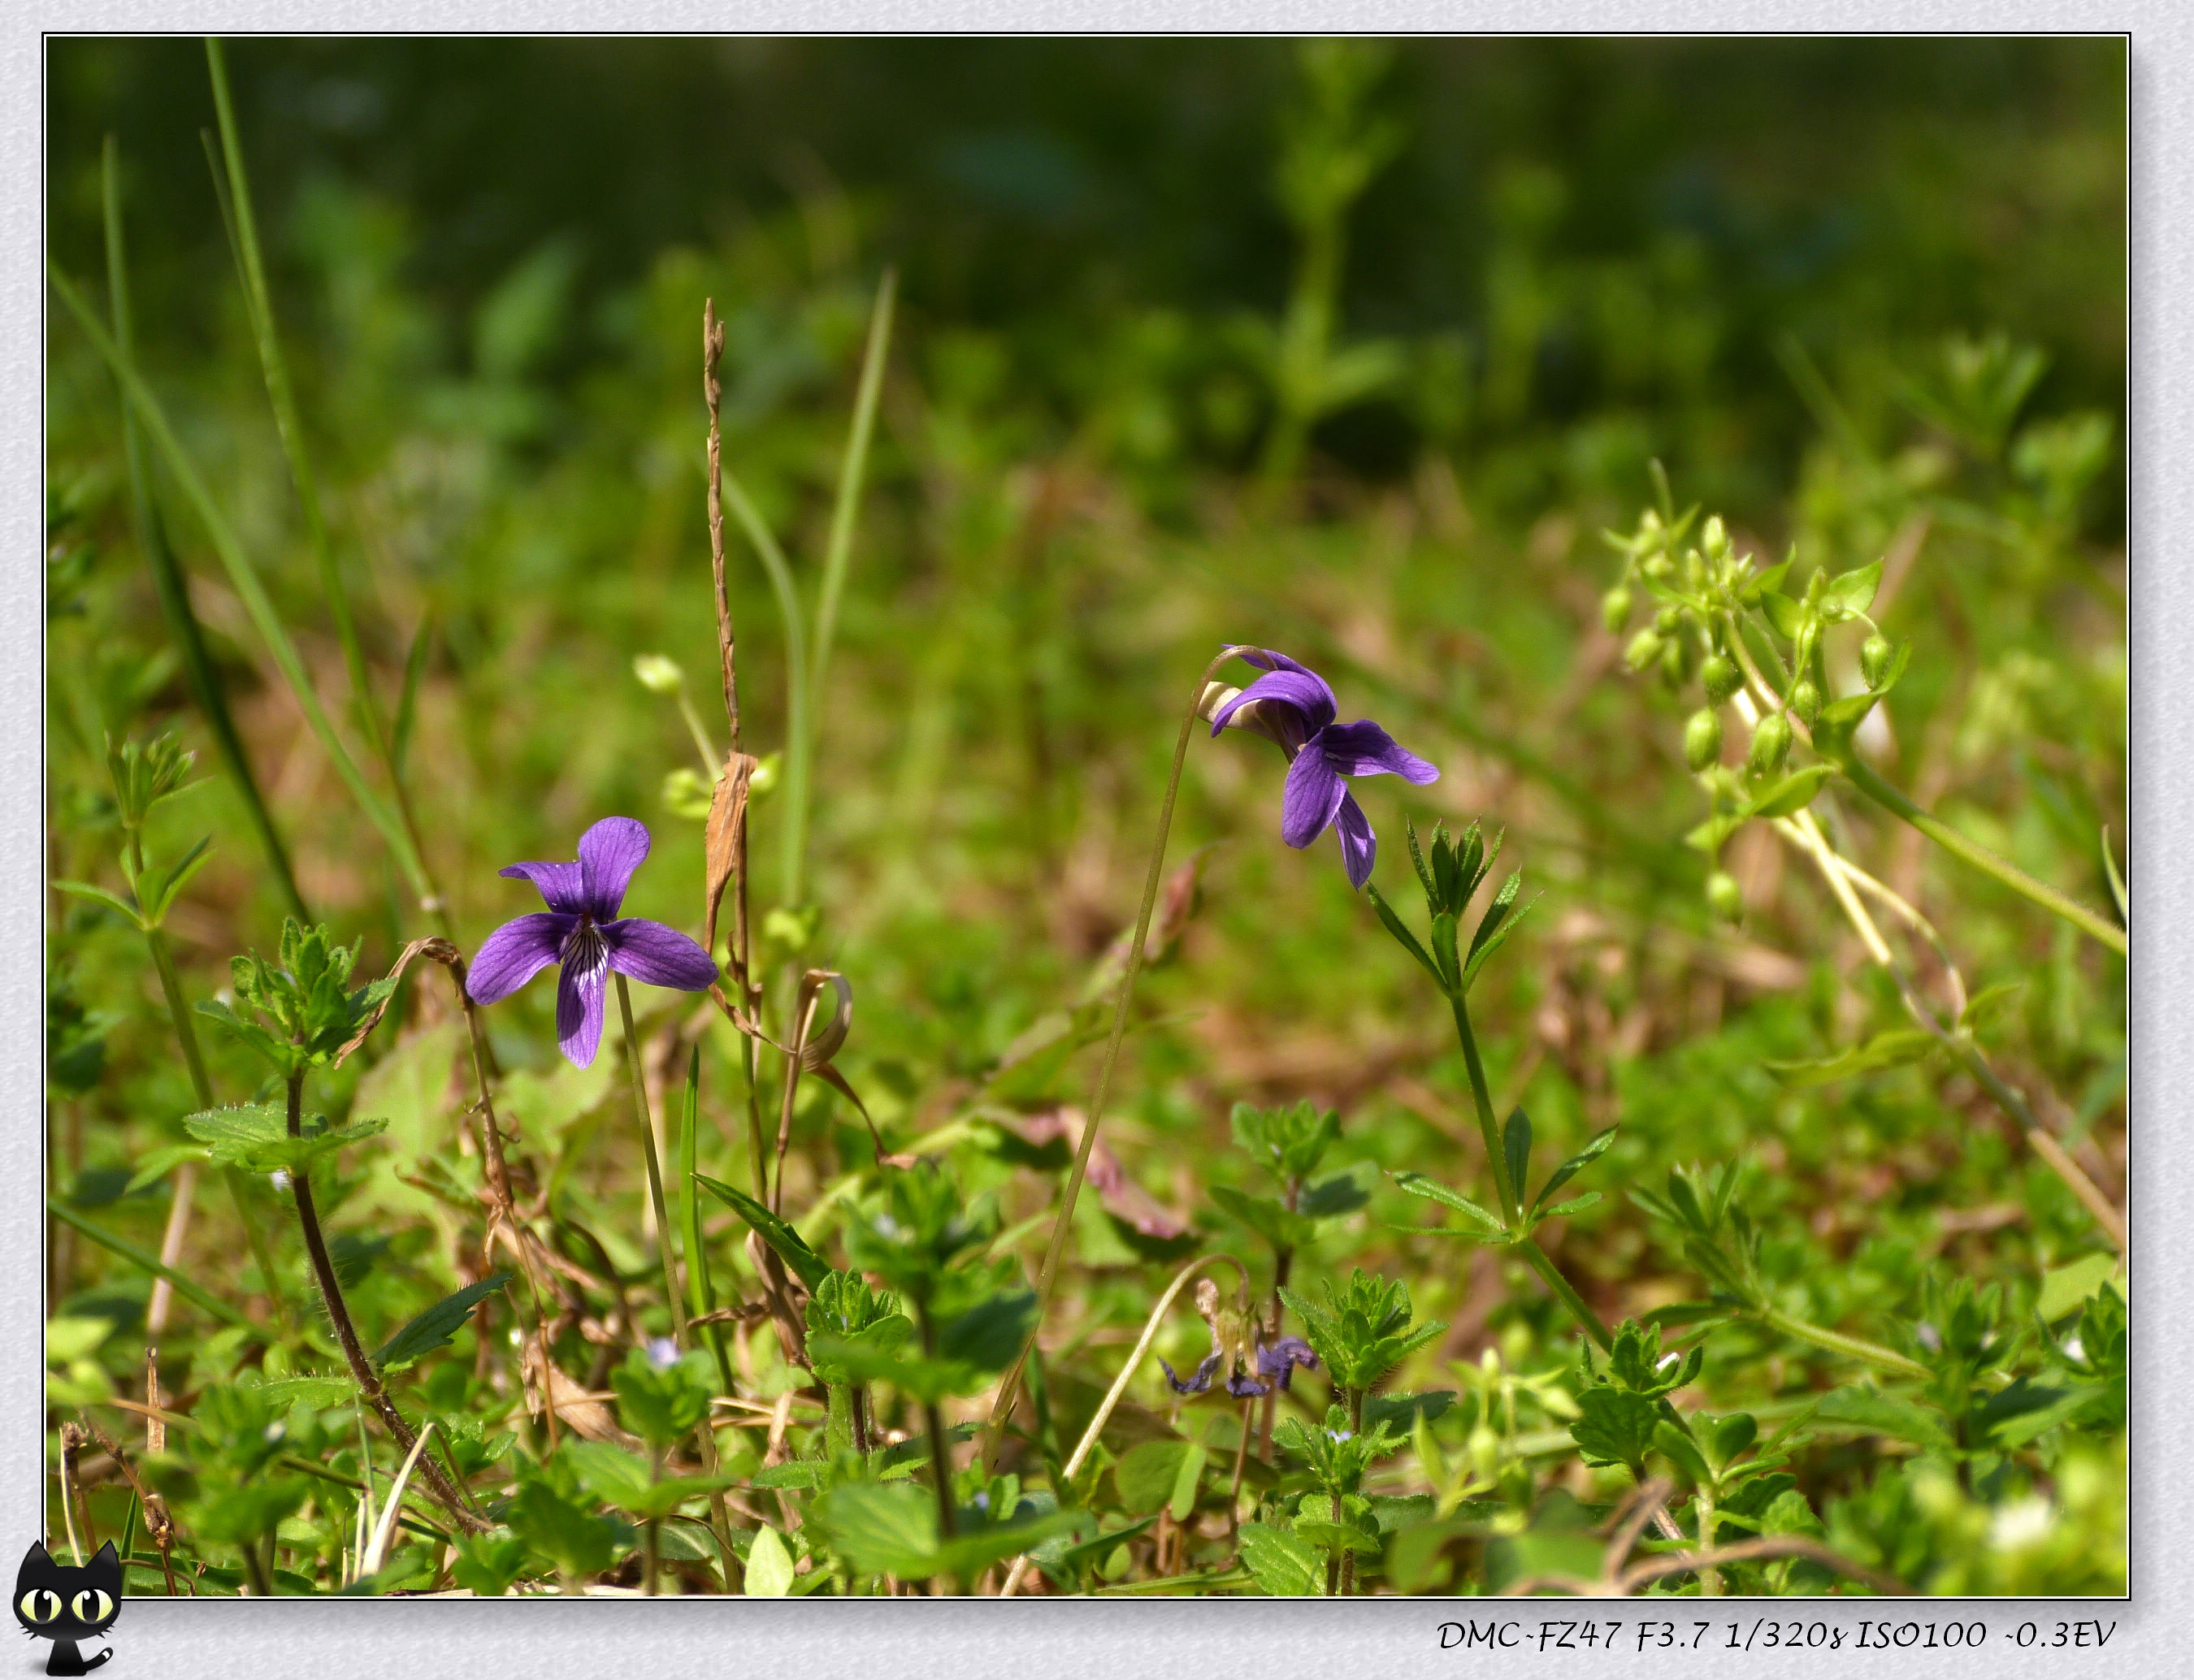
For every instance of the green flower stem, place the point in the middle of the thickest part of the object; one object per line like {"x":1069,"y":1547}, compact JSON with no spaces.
{"x":1512,"y":1197}
{"x":700,"y":1287}
{"x":1852,"y":1347}
{"x":1864,"y":778}
{"x":1489,"y":1126}
{"x":168,"y":577}
{"x":361,"y":1368}
{"x":654,"y":1165}
{"x":1047,"y":1278}
{"x":1563,"y":1291}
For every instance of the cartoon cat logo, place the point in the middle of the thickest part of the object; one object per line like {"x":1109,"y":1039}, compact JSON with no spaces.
{"x":66,"y":1602}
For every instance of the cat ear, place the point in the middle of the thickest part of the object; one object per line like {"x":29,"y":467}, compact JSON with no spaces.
{"x":106,"y":1559}
{"x":37,"y":1554}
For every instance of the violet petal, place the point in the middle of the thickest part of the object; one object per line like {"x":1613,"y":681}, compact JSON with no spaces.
{"x":1304,"y":691}
{"x":1314,"y":793}
{"x":1195,"y":1384}
{"x":514,"y":953}
{"x":579,"y":989}
{"x":1362,"y":749}
{"x":1246,"y":1388}
{"x":560,"y":884}
{"x":609,"y":852}
{"x":1359,"y":846}
{"x":658,"y":956}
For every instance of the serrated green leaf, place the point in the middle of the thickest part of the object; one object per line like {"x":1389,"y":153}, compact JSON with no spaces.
{"x":809,"y":1267}
{"x":156,"y":1164}
{"x":1284,"y":1565}
{"x":433,"y":1328}
{"x":255,"y":1137}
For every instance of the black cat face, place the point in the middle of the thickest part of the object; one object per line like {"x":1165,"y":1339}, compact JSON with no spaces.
{"x":65,"y":1601}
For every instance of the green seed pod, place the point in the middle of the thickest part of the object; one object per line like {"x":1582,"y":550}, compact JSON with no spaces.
{"x":1659,"y":567}
{"x":1615,"y":609}
{"x":1715,"y":537}
{"x":1675,"y":663}
{"x":1724,"y":896}
{"x":1720,"y":677}
{"x":1770,"y":745}
{"x":1668,"y":620}
{"x":1874,"y":655}
{"x":1805,"y":700}
{"x":1644,"y":649}
{"x":1703,"y":738}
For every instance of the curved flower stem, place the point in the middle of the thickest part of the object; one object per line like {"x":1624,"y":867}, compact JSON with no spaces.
{"x":1512,"y":1195}
{"x":361,"y":1368}
{"x":1047,"y":1279}
{"x":1134,"y":1362}
{"x":654,"y":1166}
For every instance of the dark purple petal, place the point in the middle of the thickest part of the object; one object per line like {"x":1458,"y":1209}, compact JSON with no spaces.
{"x":579,"y":994}
{"x":1278,"y":1361}
{"x":1358,"y":845}
{"x":513,"y":953}
{"x":608,"y":854}
{"x":658,"y":956}
{"x":1362,"y":749}
{"x":560,"y":884}
{"x":1303,"y":691}
{"x":1245,"y":1388}
{"x":1313,"y":794}
{"x":1197,"y":1383}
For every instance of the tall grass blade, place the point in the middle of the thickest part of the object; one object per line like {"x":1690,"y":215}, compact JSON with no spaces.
{"x":167,"y":574}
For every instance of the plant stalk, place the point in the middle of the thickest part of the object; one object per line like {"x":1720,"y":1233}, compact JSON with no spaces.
{"x":1047,"y":1279}
{"x":654,"y":1167}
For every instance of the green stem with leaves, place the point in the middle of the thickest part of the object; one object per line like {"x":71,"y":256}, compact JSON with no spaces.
{"x":1850,"y":1347}
{"x":1512,"y":1195}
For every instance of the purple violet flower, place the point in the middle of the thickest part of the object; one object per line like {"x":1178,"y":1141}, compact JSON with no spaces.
{"x":1292,"y":706}
{"x":1255,"y":1365}
{"x":580,"y":930}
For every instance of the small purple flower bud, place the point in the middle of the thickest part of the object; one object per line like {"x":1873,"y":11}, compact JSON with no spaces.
{"x":663,"y":1353}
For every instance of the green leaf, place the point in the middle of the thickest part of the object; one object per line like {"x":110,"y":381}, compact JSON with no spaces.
{"x":85,"y":889}
{"x":1614,"y":1426}
{"x":1516,"y":1150}
{"x":1787,"y":616}
{"x":1851,"y":594}
{"x":156,"y":1164}
{"x":1793,"y":793}
{"x":791,"y":1246}
{"x":1149,"y":1475}
{"x":769,"y":1566}
{"x":1182,"y":1504}
{"x":1500,"y":921}
{"x":1893,"y":1048}
{"x":1867,"y":1407}
{"x":1329,"y":1198}
{"x":1576,"y":1204}
{"x":1416,"y":1183}
{"x":1282,"y":1565}
{"x":163,"y":894}
{"x":2065,"y":1289}
{"x":1673,"y":1444}
{"x":257,"y":1139}
{"x":1266,"y":1217}
{"x":1408,"y":940}
{"x":433,"y":1328}
{"x":1710,"y":835}
{"x":882,"y":1528}
{"x":620,"y":1478}
{"x":1576,"y":1163}
{"x":1988,"y":1003}
{"x":322,"y":1394}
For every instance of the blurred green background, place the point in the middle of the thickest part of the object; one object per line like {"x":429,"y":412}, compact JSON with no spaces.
{"x":1770,"y":264}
